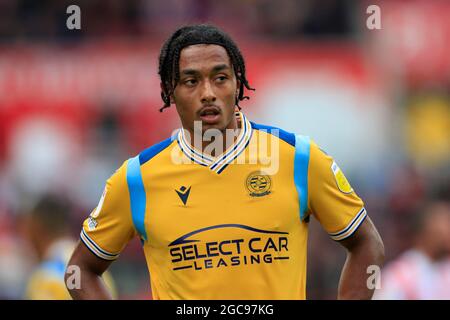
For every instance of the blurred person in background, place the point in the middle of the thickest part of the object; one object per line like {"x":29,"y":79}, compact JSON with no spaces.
{"x":47,"y":230}
{"x":423,"y":271}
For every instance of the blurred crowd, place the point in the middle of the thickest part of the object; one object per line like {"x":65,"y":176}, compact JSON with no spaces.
{"x":379,"y":101}
{"x":27,"y":20}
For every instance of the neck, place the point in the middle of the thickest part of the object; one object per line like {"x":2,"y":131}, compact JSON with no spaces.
{"x":225,"y":139}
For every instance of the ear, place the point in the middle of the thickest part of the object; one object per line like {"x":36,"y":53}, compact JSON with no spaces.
{"x":238,"y":86}
{"x":162,"y":90}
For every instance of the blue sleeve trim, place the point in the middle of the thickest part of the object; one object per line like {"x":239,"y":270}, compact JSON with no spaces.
{"x":283,"y":135}
{"x":149,"y":153}
{"x":301,"y":164}
{"x":137,"y":195}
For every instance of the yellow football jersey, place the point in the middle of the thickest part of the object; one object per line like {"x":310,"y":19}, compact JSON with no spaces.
{"x":233,"y":226}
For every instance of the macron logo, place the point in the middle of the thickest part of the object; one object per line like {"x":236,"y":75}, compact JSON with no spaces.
{"x":183,"y":193}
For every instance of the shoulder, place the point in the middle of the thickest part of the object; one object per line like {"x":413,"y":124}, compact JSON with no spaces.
{"x":306,"y":149}
{"x":318,"y":154}
{"x":152,"y":151}
{"x":284,"y":135}
{"x":302,"y":143}
{"x":130,"y":167}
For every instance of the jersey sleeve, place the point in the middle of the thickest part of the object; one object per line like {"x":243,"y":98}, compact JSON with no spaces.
{"x":110,"y":227}
{"x":331,"y":199}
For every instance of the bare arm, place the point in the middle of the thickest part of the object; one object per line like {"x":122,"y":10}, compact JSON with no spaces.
{"x":91,"y":267}
{"x":364,"y":248}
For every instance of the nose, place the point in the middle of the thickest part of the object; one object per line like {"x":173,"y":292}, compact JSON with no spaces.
{"x":207,"y":93}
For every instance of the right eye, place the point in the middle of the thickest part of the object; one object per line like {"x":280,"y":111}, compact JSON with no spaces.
{"x":190,"y":82}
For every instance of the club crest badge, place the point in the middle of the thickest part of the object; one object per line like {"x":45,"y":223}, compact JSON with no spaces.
{"x":258,"y":184}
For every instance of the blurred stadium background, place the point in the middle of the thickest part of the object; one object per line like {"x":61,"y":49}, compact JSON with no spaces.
{"x":74,"y":104}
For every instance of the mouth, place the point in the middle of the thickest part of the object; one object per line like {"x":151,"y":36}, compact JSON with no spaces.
{"x":210,"y":114}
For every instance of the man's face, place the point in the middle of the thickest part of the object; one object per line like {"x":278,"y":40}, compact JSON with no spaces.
{"x":207,"y":88}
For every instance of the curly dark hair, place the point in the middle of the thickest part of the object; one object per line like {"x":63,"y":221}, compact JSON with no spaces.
{"x":169,"y":69}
